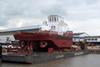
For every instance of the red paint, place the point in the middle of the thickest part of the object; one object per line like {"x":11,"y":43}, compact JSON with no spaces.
{"x":64,"y":41}
{"x":50,"y":50}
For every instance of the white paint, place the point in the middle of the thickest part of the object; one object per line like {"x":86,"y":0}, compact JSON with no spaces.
{"x":55,"y":23}
{"x":60,"y":56}
{"x":78,"y":53}
{"x":98,"y":39}
{"x":3,"y":38}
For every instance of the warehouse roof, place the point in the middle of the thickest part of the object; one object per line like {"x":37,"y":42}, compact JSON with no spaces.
{"x":23,"y":28}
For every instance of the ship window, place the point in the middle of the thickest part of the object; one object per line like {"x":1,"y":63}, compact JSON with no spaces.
{"x":53,"y":27}
{"x":50,"y":19}
{"x":92,"y":39}
{"x":55,"y":19}
{"x":95,"y":39}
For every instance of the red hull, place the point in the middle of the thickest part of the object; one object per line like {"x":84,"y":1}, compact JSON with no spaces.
{"x":59,"y":41}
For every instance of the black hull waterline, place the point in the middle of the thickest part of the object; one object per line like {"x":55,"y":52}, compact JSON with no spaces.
{"x":41,"y":57}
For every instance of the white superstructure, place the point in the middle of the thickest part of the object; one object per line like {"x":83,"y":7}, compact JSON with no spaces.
{"x":55,"y":23}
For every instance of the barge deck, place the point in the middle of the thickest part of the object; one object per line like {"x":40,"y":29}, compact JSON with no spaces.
{"x":41,"y":57}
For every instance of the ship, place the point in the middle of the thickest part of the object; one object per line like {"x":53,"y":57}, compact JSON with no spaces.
{"x":53,"y":41}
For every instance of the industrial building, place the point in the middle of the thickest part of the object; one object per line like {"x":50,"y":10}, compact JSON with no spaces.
{"x":91,"y":40}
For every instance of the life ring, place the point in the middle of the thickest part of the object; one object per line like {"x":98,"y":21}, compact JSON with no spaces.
{"x":43,"y":44}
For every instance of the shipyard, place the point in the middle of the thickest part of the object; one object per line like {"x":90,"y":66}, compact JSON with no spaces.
{"x":40,"y":44}
{"x":48,"y":34}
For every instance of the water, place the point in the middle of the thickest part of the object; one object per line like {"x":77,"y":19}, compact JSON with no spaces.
{"x":91,"y":60}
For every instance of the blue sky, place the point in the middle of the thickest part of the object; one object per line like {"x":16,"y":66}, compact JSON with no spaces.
{"x":81,"y":15}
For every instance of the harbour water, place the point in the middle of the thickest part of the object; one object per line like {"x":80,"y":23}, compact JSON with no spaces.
{"x":90,"y":60}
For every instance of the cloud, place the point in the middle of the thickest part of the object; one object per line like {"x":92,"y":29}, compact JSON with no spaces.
{"x":23,"y":22}
{"x":2,"y":28}
{"x":22,"y":8}
{"x":80,"y":14}
{"x":56,"y":10}
{"x":90,"y":26}
{"x":73,"y":9}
